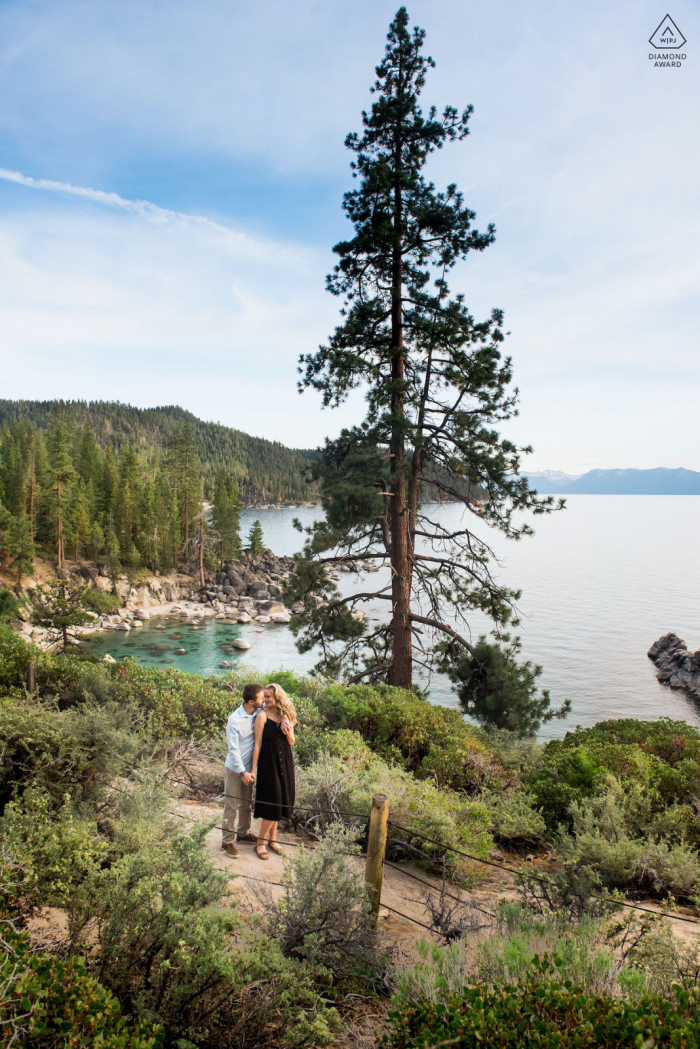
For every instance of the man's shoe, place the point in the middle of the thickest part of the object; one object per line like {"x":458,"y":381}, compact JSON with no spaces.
{"x":230,"y":849}
{"x":246,"y":837}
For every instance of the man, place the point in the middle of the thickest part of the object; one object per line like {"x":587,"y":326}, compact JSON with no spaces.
{"x":238,"y":778}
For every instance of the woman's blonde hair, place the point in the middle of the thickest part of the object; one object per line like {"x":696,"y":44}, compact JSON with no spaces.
{"x":283,"y":703}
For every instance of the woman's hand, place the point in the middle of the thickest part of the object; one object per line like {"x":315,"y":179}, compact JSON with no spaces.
{"x":286,"y":726}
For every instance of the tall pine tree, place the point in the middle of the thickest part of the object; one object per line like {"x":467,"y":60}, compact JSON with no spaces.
{"x":63,"y":477}
{"x":226,"y":516}
{"x":436,"y":385}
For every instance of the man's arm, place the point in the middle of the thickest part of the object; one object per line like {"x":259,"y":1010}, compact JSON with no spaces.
{"x":234,"y":746}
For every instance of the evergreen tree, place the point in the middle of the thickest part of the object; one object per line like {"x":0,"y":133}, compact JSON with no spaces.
{"x":499,"y":691}
{"x":21,"y":547}
{"x":89,"y":461}
{"x":114,"y":565}
{"x":226,"y":517}
{"x":128,"y":497}
{"x":63,"y":478}
{"x":108,"y":483}
{"x":58,"y":608}
{"x":80,"y":520}
{"x":12,"y":473}
{"x":148,"y":523}
{"x":436,"y":385}
{"x":185,"y":466}
{"x":97,"y":539}
{"x":256,"y":546}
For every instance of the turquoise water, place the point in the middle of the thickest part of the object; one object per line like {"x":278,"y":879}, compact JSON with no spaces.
{"x":156,"y":647}
{"x":601,"y":581}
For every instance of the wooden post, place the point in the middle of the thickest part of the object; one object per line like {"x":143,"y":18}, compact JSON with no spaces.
{"x":31,"y":675}
{"x":376,"y":847}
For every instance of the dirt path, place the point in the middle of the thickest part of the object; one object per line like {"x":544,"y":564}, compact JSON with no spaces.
{"x":400,"y":892}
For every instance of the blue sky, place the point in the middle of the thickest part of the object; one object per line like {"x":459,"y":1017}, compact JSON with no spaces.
{"x":171,"y":184}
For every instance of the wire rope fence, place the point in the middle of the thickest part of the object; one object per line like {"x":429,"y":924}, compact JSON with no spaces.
{"x":375,"y":855}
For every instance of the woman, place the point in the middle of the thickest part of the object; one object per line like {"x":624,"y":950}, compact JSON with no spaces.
{"x":273,"y":766}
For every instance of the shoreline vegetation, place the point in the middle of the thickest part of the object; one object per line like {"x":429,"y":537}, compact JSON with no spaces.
{"x":97,"y":756}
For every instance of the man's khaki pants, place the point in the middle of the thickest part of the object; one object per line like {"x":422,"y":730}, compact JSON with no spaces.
{"x":238,"y":807}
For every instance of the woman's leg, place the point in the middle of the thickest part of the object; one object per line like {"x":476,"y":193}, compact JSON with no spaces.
{"x":264,"y":834}
{"x":272,"y":833}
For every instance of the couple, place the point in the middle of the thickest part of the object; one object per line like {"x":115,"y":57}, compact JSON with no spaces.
{"x":260,"y":736}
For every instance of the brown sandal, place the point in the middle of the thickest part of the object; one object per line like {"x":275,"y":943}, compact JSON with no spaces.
{"x":276,"y":848}
{"x":262,"y":852}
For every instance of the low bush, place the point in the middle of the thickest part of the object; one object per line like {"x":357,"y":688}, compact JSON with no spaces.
{"x":324,"y":916}
{"x":432,"y":742}
{"x":613,"y":832}
{"x":56,"y":848}
{"x":660,"y":759}
{"x":588,"y":951}
{"x":177,"y":703}
{"x":54,"y":674}
{"x":74,"y":751}
{"x":58,"y":1004}
{"x":346,"y":774}
{"x":545,"y":1011}
{"x":99,"y":601}
{"x":514,"y":819}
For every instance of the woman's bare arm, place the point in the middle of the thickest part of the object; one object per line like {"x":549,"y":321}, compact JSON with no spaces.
{"x":258,"y":728}
{"x":288,"y":730}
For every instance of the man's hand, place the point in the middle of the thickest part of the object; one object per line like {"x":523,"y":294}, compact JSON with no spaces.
{"x":247,"y":778}
{"x":286,"y":726}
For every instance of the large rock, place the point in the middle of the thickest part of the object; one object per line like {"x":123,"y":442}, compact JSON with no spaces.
{"x":675,"y":665}
{"x":241,"y":644}
{"x":268,"y":607}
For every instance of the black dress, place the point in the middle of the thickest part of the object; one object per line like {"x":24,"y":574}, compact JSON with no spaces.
{"x":274,"y":796}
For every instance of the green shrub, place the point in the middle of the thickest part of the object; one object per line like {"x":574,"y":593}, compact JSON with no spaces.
{"x":346,"y":774}
{"x":165,"y":941}
{"x":45,"y":1001}
{"x":55,"y":848}
{"x":73,"y":751}
{"x":432,"y":742}
{"x":514,"y":818}
{"x":9,"y":605}
{"x":54,"y":674}
{"x":176,"y":702}
{"x":505,"y":953}
{"x":324,"y":917}
{"x":543,"y":1012}
{"x":662,"y":758}
{"x":99,"y":601}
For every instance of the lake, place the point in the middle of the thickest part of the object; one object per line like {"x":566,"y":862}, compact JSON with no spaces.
{"x":601,"y":581}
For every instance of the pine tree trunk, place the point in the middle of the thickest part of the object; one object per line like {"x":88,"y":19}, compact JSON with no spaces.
{"x":201,"y":551}
{"x":31,"y":500}
{"x":401,"y":670}
{"x":59,"y":529}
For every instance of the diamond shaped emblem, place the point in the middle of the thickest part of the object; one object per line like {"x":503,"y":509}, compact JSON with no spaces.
{"x":668,"y":36}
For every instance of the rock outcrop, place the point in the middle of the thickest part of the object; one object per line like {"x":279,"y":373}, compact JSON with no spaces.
{"x":675,"y":665}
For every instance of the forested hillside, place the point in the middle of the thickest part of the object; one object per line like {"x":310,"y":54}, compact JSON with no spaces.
{"x":265,"y":471}
{"x":126,"y":487}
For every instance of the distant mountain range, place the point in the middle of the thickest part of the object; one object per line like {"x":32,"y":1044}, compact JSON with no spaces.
{"x":660,"y":481}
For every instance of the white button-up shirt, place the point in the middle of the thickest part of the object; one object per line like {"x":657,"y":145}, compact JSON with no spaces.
{"x":240,"y":736}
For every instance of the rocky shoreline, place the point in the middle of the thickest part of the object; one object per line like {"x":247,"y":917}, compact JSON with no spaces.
{"x":675,"y":665}
{"x":248,"y":590}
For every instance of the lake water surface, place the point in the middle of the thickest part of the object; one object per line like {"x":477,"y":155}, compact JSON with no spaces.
{"x":601,"y":581}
